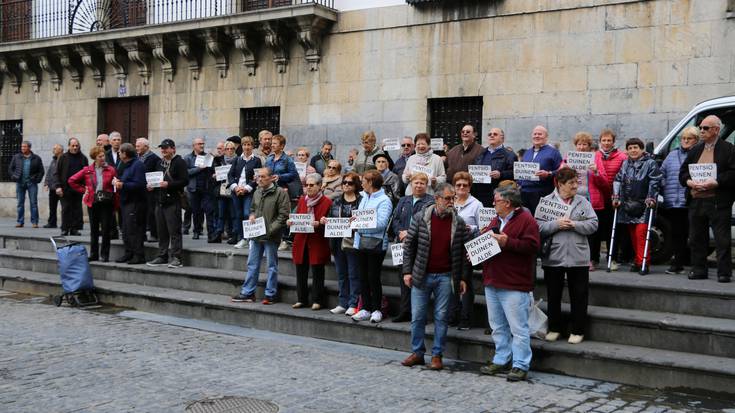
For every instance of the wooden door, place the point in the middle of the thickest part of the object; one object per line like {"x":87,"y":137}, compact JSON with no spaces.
{"x":129,"y":116}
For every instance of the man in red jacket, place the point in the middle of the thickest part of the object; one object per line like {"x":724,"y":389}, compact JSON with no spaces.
{"x":508,"y":279}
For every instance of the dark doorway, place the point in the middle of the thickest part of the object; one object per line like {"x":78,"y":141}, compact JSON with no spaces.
{"x":254,"y":120}
{"x":447,"y":116}
{"x":129,"y":116}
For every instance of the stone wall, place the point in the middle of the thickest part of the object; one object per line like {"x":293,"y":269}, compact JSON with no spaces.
{"x":632,"y":65}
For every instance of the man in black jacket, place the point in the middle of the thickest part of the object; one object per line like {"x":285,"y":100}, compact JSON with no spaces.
{"x":710,"y":200}
{"x":131,"y":186}
{"x":168,"y":211}
{"x":70,"y":162}
{"x":26,"y":170}
{"x":500,"y":160}
{"x":150,"y":161}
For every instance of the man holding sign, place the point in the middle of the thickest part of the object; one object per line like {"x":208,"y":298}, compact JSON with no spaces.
{"x":500,"y":160}
{"x":508,"y":279}
{"x":428,"y":269}
{"x":199,"y":190}
{"x":461,"y":156}
{"x":710,"y":198}
{"x":548,"y":159}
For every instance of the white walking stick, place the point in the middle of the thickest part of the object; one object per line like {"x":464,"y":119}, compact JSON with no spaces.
{"x":612,"y":241}
{"x":648,"y":238}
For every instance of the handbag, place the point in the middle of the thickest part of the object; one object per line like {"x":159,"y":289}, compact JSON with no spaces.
{"x":545,"y":249}
{"x":103,"y":197}
{"x":348,"y":243}
{"x":224,"y":190}
{"x":538,"y":322}
{"x":371,"y":244}
{"x":634,"y":208}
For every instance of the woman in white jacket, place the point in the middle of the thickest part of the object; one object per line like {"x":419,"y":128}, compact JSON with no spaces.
{"x":424,"y":160}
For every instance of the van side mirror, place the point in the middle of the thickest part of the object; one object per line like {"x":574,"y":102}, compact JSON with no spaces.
{"x":649,"y":147}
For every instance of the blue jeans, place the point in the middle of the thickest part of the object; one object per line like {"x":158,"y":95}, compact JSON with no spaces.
{"x":507,"y":311}
{"x":441,"y":286}
{"x":255,"y":255}
{"x":20,"y":195}
{"x":345,"y":263}
{"x":240,"y":212}
{"x":224,"y":212}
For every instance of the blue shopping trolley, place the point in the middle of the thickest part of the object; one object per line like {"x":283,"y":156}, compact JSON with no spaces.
{"x":76,"y":276}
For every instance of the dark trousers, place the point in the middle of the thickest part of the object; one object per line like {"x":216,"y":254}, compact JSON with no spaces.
{"x":132,"y":230}
{"x":71,"y":211}
{"x":703,"y":214}
{"x":679,"y":219}
{"x":100,"y":214}
{"x":371,"y":264}
{"x":151,"y":200}
{"x":53,"y":206}
{"x":168,"y":219}
{"x":405,"y":304}
{"x":460,"y":306}
{"x":202,"y":205}
{"x":302,"y":280}
{"x":578,"y":280}
{"x":604,"y":229}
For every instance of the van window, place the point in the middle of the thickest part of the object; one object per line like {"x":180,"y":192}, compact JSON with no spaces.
{"x":726,"y":114}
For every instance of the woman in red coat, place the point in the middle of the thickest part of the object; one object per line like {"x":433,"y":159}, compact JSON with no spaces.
{"x":95,"y":182}
{"x":311,"y":249}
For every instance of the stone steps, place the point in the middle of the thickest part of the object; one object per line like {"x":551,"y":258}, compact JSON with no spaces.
{"x":592,"y":359}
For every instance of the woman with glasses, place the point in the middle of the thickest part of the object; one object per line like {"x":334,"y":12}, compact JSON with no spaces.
{"x":364,"y":160}
{"x":224,"y":197}
{"x":311,"y":249}
{"x":674,"y":205}
{"x":332,"y":180}
{"x":424,"y":160}
{"x":343,"y":249}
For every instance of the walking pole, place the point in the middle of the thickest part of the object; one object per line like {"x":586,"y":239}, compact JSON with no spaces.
{"x":648,"y":237}
{"x":612,"y":241}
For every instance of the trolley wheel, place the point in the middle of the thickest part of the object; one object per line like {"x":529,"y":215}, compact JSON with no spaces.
{"x":57,"y":300}
{"x":73,"y":300}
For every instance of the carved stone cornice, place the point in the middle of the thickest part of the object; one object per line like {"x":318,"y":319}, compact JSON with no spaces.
{"x":73,"y":65}
{"x":275,"y":39}
{"x":309,"y":31}
{"x":164,"y":55}
{"x":217,"y":47}
{"x":49,"y":64}
{"x":8,"y":69}
{"x":92,"y":59}
{"x":29,"y":66}
{"x":245,"y":44}
{"x":138,"y":53}
{"x":184,"y":43}
{"x":115,"y":58}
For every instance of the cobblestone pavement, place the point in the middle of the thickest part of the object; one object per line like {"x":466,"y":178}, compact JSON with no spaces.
{"x":68,"y":360}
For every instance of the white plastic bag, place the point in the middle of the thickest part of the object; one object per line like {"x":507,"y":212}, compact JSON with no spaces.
{"x":538,"y":323}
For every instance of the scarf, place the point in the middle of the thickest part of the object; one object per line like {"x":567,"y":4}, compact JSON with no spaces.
{"x":426,"y":157}
{"x":311,"y":202}
{"x":606,"y":155}
{"x":229,"y":159}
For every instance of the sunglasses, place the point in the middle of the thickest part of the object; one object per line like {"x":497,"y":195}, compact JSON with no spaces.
{"x":331,"y":167}
{"x":347,"y":183}
{"x":406,"y":145}
{"x":705,"y":128}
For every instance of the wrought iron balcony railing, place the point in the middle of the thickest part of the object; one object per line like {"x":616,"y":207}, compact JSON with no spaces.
{"x":37,"y":19}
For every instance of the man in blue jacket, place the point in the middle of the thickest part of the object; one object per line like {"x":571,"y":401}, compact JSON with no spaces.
{"x":199,"y":190}
{"x":131,"y":187}
{"x":26,"y":170}
{"x":549,"y":160}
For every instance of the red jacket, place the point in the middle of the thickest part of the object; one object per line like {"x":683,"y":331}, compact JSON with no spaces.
{"x":319,"y":252}
{"x":514,"y":267}
{"x":85,"y":182}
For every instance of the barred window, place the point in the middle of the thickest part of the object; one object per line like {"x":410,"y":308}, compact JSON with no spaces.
{"x":11,"y":136}
{"x":254,"y":120}
{"x":447,"y":116}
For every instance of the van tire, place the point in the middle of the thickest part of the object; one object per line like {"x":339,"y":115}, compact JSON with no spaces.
{"x":661,"y":244}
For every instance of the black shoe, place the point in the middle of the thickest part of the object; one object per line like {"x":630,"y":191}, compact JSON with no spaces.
{"x":215,"y":240}
{"x":75,"y":233}
{"x":124,"y":258}
{"x":105,"y":259}
{"x":114,"y":235}
{"x":185,"y":231}
{"x":232,"y":241}
{"x":137,"y":260}
{"x":644,"y":271}
{"x":93,"y":258}
{"x":635,"y":268}
{"x":723,"y":279}
{"x":674,"y":269}
{"x":463,"y":326}
{"x":241,"y":298}
{"x":694,"y":276}
{"x":401,"y":318}
{"x":64,"y":233}
{"x":49,"y":226}
{"x":517,"y":374}
{"x":195,"y":236}
{"x":494,"y":369}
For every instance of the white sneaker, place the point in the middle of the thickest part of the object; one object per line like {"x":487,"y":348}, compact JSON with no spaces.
{"x":552,"y":336}
{"x":362,"y":315}
{"x":376,"y":317}
{"x":283,"y":246}
{"x":350,"y":311}
{"x":241,"y":244}
{"x":613,"y":266}
{"x":575,"y":339}
{"x":337,"y":310}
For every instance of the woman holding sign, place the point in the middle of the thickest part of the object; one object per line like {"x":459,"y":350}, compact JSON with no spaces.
{"x":311,"y":249}
{"x":566,"y":252}
{"x":426,"y":161}
{"x":241,"y":181}
{"x":223,"y":193}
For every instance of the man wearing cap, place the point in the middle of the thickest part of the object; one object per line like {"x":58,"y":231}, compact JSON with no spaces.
{"x":168,"y":211}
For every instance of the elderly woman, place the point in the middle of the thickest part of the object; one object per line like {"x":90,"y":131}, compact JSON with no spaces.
{"x":635,"y":189}
{"x":241,"y":181}
{"x":364,"y":161}
{"x":565,"y":251}
{"x":283,"y":167}
{"x":391,"y":182}
{"x":223,"y":194}
{"x":675,"y":198}
{"x":424,"y":158}
{"x":302,"y":158}
{"x":371,"y":245}
{"x":95,"y":182}
{"x":343,"y":251}
{"x":332,"y":180}
{"x":311,"y":250}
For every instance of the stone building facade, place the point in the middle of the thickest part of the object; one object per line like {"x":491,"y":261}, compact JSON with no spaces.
{"x":633,"y":65}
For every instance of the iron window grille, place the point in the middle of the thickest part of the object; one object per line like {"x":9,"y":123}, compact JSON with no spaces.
{"x":11,"y":136}
{"x":447,"y":116}
{"x":254,"y":120}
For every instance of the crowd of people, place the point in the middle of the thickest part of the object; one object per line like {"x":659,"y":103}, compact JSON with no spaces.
{"x":429,"y":202}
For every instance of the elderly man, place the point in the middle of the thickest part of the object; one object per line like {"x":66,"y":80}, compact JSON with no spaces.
{"x":131,"y":187}
{"x":460,"y":156}
{"x":406,"y":152}
{"x":273,"y":205}
{"x":710,"y":201}
{"x":112,"y":156}
{"x":51,"y":182}
{"x":549,"y":160}
{"x":103,"y":140}
{"x":26,"y":170}
{"x":508,"y":279}
{"x":70,"y":162}
{"x":320,"y":161}
{"x":150,"y":161}
{"x":265,"y":137}
{"x":501,"y":162}
{"x":201,"y":199}
{"x":434,"y":257}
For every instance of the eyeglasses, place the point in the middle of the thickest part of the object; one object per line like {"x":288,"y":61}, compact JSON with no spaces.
{"x":493,"y":134}
{"x":331,"y":167}
{"x":406,"y":145}
{"x":347,"y":183}
{"x":310,"y":185}
{"x":447,"y":198}
{"x":467,"y":131}
{"x":461,"y":185}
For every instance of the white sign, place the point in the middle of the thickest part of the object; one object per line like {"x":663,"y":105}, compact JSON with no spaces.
{"x":365,"y":218}
{"x":485,"y":216}
{"x":391,"y":144}
{"x":422,"y":168}
{"x":204,"y":161}
{"x":396,"y":252}
{"x":154,"y":179}
{"x":480,"y":173}
{"x":701,"y":172}
{"x":482,"y":248}
{"x":301,"y":223}
{"x":253,"y":230}
{"x":437,"y":144}
{"x":549,"y":210}
{"x":337,"y":228}
{"x":222,"y":171}
{"x":301,"y":168}
{"x":580,"y":161}
{"x":526,"y":171}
